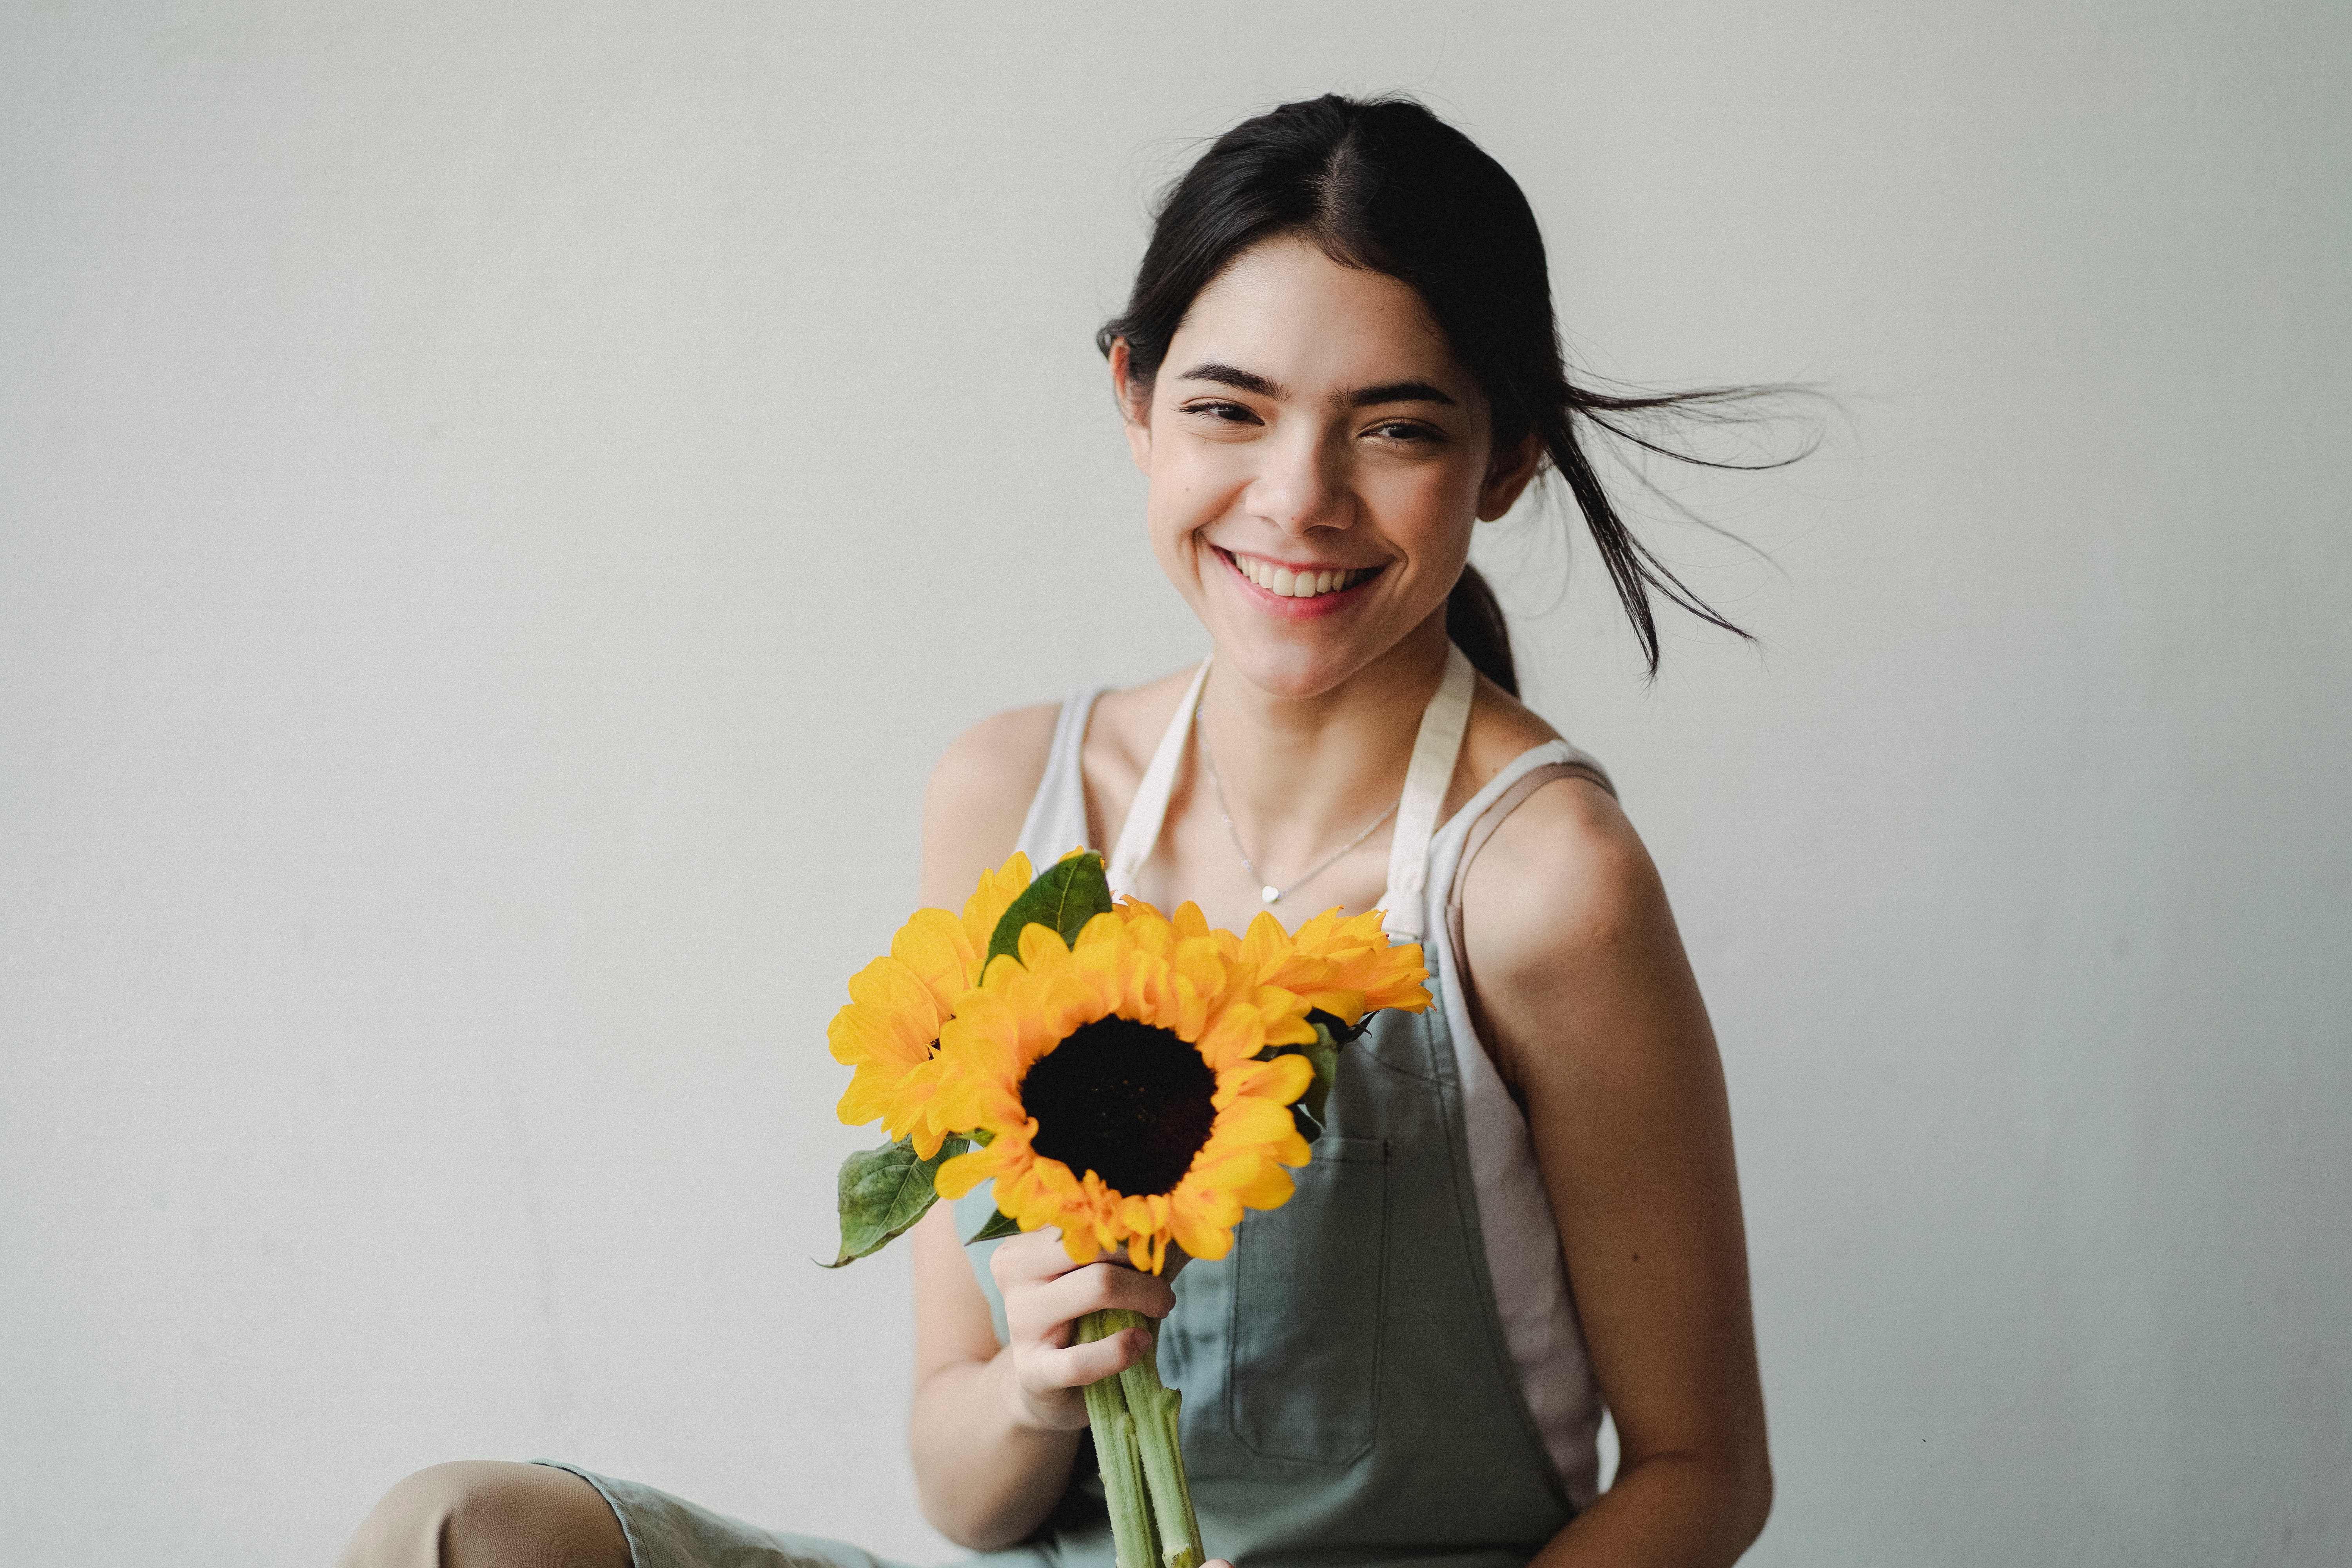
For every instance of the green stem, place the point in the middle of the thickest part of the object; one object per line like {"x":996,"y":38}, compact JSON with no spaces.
{"x":1152,"y":1410}
{"x":1116,"y":1453}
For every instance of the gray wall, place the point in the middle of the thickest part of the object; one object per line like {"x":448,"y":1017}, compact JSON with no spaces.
{"x":500,"y":505}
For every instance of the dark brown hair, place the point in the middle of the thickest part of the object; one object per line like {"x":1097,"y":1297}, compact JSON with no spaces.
{"x":1386,"y":185}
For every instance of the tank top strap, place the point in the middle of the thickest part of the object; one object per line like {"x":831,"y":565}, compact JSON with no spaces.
{"x":1057,"y":822}
{"x":1529,"y":773}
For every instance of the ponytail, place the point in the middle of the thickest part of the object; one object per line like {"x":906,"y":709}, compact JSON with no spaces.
{"x":1473,"y":620}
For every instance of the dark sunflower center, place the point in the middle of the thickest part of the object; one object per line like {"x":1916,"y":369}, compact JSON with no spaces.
{"x":1125,"y":1100}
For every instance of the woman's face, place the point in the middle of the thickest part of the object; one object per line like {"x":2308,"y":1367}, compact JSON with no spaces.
{"x":1316,"y":456}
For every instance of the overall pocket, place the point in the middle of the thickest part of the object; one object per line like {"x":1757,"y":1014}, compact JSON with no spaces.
{"x":1308,"y":1280}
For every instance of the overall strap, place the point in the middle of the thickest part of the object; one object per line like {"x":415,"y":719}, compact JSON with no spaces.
{"x":1434,"y":752}
{"x":1149,"y":807}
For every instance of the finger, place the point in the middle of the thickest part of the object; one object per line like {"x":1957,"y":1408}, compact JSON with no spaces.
{"x":1104,"y":1285}
{"x":1079,"y":1365}
{"x":1030,"y":1307}
{"x":1039,"y":1255}
{"x":1097,"y":1288}
{"x":1170,"y":1267}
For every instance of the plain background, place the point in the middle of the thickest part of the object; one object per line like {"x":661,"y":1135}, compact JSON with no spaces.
{"x":500,"y":506}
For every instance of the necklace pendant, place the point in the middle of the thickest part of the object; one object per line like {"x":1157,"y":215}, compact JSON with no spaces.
{"x":1270,"y":895}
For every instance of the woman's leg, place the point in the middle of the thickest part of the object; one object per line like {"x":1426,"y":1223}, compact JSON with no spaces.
{"x":485,"y":1514}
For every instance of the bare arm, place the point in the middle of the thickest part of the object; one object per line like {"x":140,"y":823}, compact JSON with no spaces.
{"x":994,"y":1427}
{"x":1584,"y":995}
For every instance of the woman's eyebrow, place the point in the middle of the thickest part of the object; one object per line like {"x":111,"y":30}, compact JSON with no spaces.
{"x":1398,"y":392}
{"x":1238,"y":379}
{"x":1250,"y":381}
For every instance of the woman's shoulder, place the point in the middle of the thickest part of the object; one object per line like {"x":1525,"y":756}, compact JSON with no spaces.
{"x":981,"y":790}
{"x":1502,"y":729}
{"x":1563,"y":917}
{"x":978,"y":795}
{"x":1565,"y":863}
{"x":1002,"y":755}
{"x":997,"y":765}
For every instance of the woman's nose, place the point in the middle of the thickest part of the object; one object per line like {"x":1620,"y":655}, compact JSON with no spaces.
{"x":1302,"y":484}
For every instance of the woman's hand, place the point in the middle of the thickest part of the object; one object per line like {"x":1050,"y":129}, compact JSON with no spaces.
{"x":1045,"y":1294}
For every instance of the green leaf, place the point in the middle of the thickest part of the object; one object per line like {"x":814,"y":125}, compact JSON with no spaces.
{"x":1070,"y":893}
{"x":884,"y":1192}
{"x":1000,"y":1224}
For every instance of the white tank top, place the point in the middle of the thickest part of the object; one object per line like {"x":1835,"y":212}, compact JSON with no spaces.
{"x":1427,"y":861}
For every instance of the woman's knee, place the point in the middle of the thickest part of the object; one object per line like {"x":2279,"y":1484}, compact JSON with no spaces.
{"x":477,"y":1513}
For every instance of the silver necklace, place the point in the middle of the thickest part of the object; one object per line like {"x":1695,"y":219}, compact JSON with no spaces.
{"x":1267,"y":890}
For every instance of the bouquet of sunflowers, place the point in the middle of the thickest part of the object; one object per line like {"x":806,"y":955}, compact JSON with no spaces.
{"x":1135,"y":1078}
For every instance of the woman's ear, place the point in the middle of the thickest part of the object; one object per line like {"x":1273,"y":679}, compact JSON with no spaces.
{"x":1507,"y":475}
{"x":1134,"y":404}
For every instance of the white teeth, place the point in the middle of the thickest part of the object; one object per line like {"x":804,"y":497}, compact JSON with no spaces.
{"x":1290,"y":585}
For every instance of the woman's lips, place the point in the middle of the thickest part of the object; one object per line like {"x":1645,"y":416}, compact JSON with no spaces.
{"x":1275,"y":586}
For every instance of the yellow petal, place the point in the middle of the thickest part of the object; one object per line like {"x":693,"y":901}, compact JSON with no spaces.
{"x":1234,"y":1035}
{"x":886,"y":989}
{"x":965,"y":1172}
{"x":933,"y":946}
{"x":995,"y":894}
{"x":1281,"y":1080}
{"x":1040,"y":945}
{"x":1267,"y":943}
{"x":1269,"y":1189}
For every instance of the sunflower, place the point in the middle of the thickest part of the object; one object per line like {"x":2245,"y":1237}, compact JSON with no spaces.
{"x":889,"y":1031}
{"x":1120,"y":1082}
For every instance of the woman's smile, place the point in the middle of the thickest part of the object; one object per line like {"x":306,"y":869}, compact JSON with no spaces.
{"x":1297,"y":591}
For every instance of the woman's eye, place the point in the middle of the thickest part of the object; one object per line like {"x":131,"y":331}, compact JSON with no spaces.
{"x":1403,"y":430}
{"x":1226,"y":412}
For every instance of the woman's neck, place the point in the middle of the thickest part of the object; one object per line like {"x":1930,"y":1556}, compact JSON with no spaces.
{"x":1301,"y":776}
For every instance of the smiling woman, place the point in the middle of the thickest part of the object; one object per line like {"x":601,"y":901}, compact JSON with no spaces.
{"x":1339,"y":358}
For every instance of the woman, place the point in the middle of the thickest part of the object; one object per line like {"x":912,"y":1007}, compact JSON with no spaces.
{"x":1339,"y":357}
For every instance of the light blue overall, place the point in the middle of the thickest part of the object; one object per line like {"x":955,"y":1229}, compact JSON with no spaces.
{"x":1352,"y":1393}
